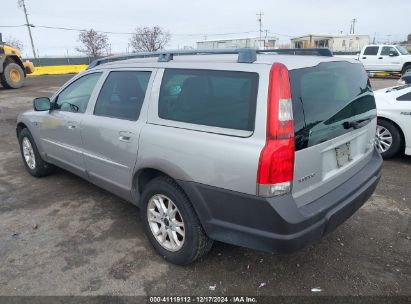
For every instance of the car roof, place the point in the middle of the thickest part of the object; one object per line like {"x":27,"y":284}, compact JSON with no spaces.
{"x":228,"y":60}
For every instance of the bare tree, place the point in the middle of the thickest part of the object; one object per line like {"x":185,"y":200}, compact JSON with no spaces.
{"x":93,"y":43}
{"x":149,"y":39}
{"x":14,"y":42}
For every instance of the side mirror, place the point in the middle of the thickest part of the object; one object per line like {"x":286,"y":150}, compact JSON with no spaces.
{"x":393,"y":54}
{"x":42,"y":104}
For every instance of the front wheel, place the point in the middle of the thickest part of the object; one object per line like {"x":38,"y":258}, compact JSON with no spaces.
{"x":33,"y":162}
{"x":171,"y":224}
{"x":388,"y":139}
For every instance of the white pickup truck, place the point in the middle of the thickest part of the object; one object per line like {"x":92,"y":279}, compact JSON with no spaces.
{"x":385,"y":58}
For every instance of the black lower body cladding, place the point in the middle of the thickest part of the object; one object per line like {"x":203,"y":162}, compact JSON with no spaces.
{"x":277,"y":224}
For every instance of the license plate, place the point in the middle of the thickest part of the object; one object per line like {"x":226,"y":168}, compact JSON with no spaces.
{"x":343,"y":155}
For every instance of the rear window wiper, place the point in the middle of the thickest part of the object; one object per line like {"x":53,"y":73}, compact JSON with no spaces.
{"x":356,"y":124}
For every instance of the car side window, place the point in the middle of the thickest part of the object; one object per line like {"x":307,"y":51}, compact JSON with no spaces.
{"x":405,"y":97}
{"x":122,"y":95}
{"x":371,"y":50}
{"x":225,"y":99}
{"x":386,"y":50}
{"x":76,"y":96}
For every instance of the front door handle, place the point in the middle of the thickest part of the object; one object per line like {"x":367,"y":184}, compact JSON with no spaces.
{"x":380,"y":58}
{"x":364,"y":57}
{"x":71,"y":125}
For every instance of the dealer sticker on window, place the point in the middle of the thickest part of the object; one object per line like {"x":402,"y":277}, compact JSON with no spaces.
{"x":343,"y":155}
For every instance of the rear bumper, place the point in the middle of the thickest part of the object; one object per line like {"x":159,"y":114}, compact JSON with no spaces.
{"x":277,"y":224}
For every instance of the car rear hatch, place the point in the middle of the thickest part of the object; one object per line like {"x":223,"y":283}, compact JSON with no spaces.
{"x":334,"y":121}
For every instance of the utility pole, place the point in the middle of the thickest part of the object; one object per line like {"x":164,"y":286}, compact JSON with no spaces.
{"x":260,"y":20}
{"x":353,"y":26}
{"x":23,"y":5}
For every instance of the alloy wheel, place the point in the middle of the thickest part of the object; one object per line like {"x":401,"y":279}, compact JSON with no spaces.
{"x":28,"y":153}
{"x":166,"y":222}
{"x":383,"y":139}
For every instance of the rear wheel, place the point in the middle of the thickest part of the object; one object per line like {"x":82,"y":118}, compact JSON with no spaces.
{"x":171,"y":224}
{"x":406,"y":69}
{"x":388,"y":139}
{"x":12,"y":77}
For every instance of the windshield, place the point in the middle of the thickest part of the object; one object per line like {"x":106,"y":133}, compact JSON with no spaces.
{"x":402,"y":50}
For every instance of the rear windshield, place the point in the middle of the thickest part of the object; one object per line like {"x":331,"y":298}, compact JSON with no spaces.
{"x":327,"y":97}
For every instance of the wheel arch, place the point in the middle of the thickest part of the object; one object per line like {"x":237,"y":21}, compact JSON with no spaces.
{"x":405,"y":65}
{"x":20,"y":127}
{"x":144,"y":175}
{"x":14,"y":59}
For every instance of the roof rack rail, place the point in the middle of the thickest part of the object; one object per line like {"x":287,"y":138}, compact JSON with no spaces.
{"x":308,"y":52}
{"x":245,"y":55}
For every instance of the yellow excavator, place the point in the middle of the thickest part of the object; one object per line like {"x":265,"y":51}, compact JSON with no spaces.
{"x":13,"y":69}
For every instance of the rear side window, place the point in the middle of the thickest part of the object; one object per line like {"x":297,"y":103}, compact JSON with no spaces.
{"x":222,"y":99}
{"x":371,"y":50}
{"x":327,"y":96}
{"x":122,"y":95}
{"x":386,"y":50}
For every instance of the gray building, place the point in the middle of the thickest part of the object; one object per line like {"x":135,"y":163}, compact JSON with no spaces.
{"x":247,"y":42}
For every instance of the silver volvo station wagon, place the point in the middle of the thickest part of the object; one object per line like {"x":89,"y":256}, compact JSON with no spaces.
{"x":262,"y":150}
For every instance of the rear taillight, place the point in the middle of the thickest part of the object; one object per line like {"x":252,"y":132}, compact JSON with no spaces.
{"x":276,"y":166}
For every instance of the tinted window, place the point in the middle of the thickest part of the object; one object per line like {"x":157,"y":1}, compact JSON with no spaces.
{"x":371,"y":50}
{"x":212,"y":98}
{"x":122,"y":95}
{"x":386,"y":50}
{"x":406,"y":97}
{"x":76,"y":96}
{"x":327,"y":96}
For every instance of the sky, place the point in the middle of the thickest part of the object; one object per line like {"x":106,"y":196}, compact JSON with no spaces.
{"x":189,"y":21}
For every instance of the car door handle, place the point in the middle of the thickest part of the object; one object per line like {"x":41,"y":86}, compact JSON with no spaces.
{"x":380,"y":58}
{"x":125,"y":136}
{"x":71,"y":125}
{"x":364,"y":57}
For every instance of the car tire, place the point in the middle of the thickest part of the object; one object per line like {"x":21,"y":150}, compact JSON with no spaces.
{"x":12,"y":76}
{"x":190,"y":241}
{"x":406,"y":69}
{"x":32,"y":160}
{"x":388,"y":139}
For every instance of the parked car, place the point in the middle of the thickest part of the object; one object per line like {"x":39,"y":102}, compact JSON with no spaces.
{"x":394,"y":120}
{"x":386,"y":58}
{"x":405,"y":79}
{"x":270,"y":152}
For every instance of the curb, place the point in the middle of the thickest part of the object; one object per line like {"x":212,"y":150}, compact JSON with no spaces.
{"x":58,"y":70}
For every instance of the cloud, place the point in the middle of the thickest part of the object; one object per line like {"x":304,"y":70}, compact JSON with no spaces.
{"x":200,"y":17}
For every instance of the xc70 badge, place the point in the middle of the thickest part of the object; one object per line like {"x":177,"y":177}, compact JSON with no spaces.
{"x":305,"y":178}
